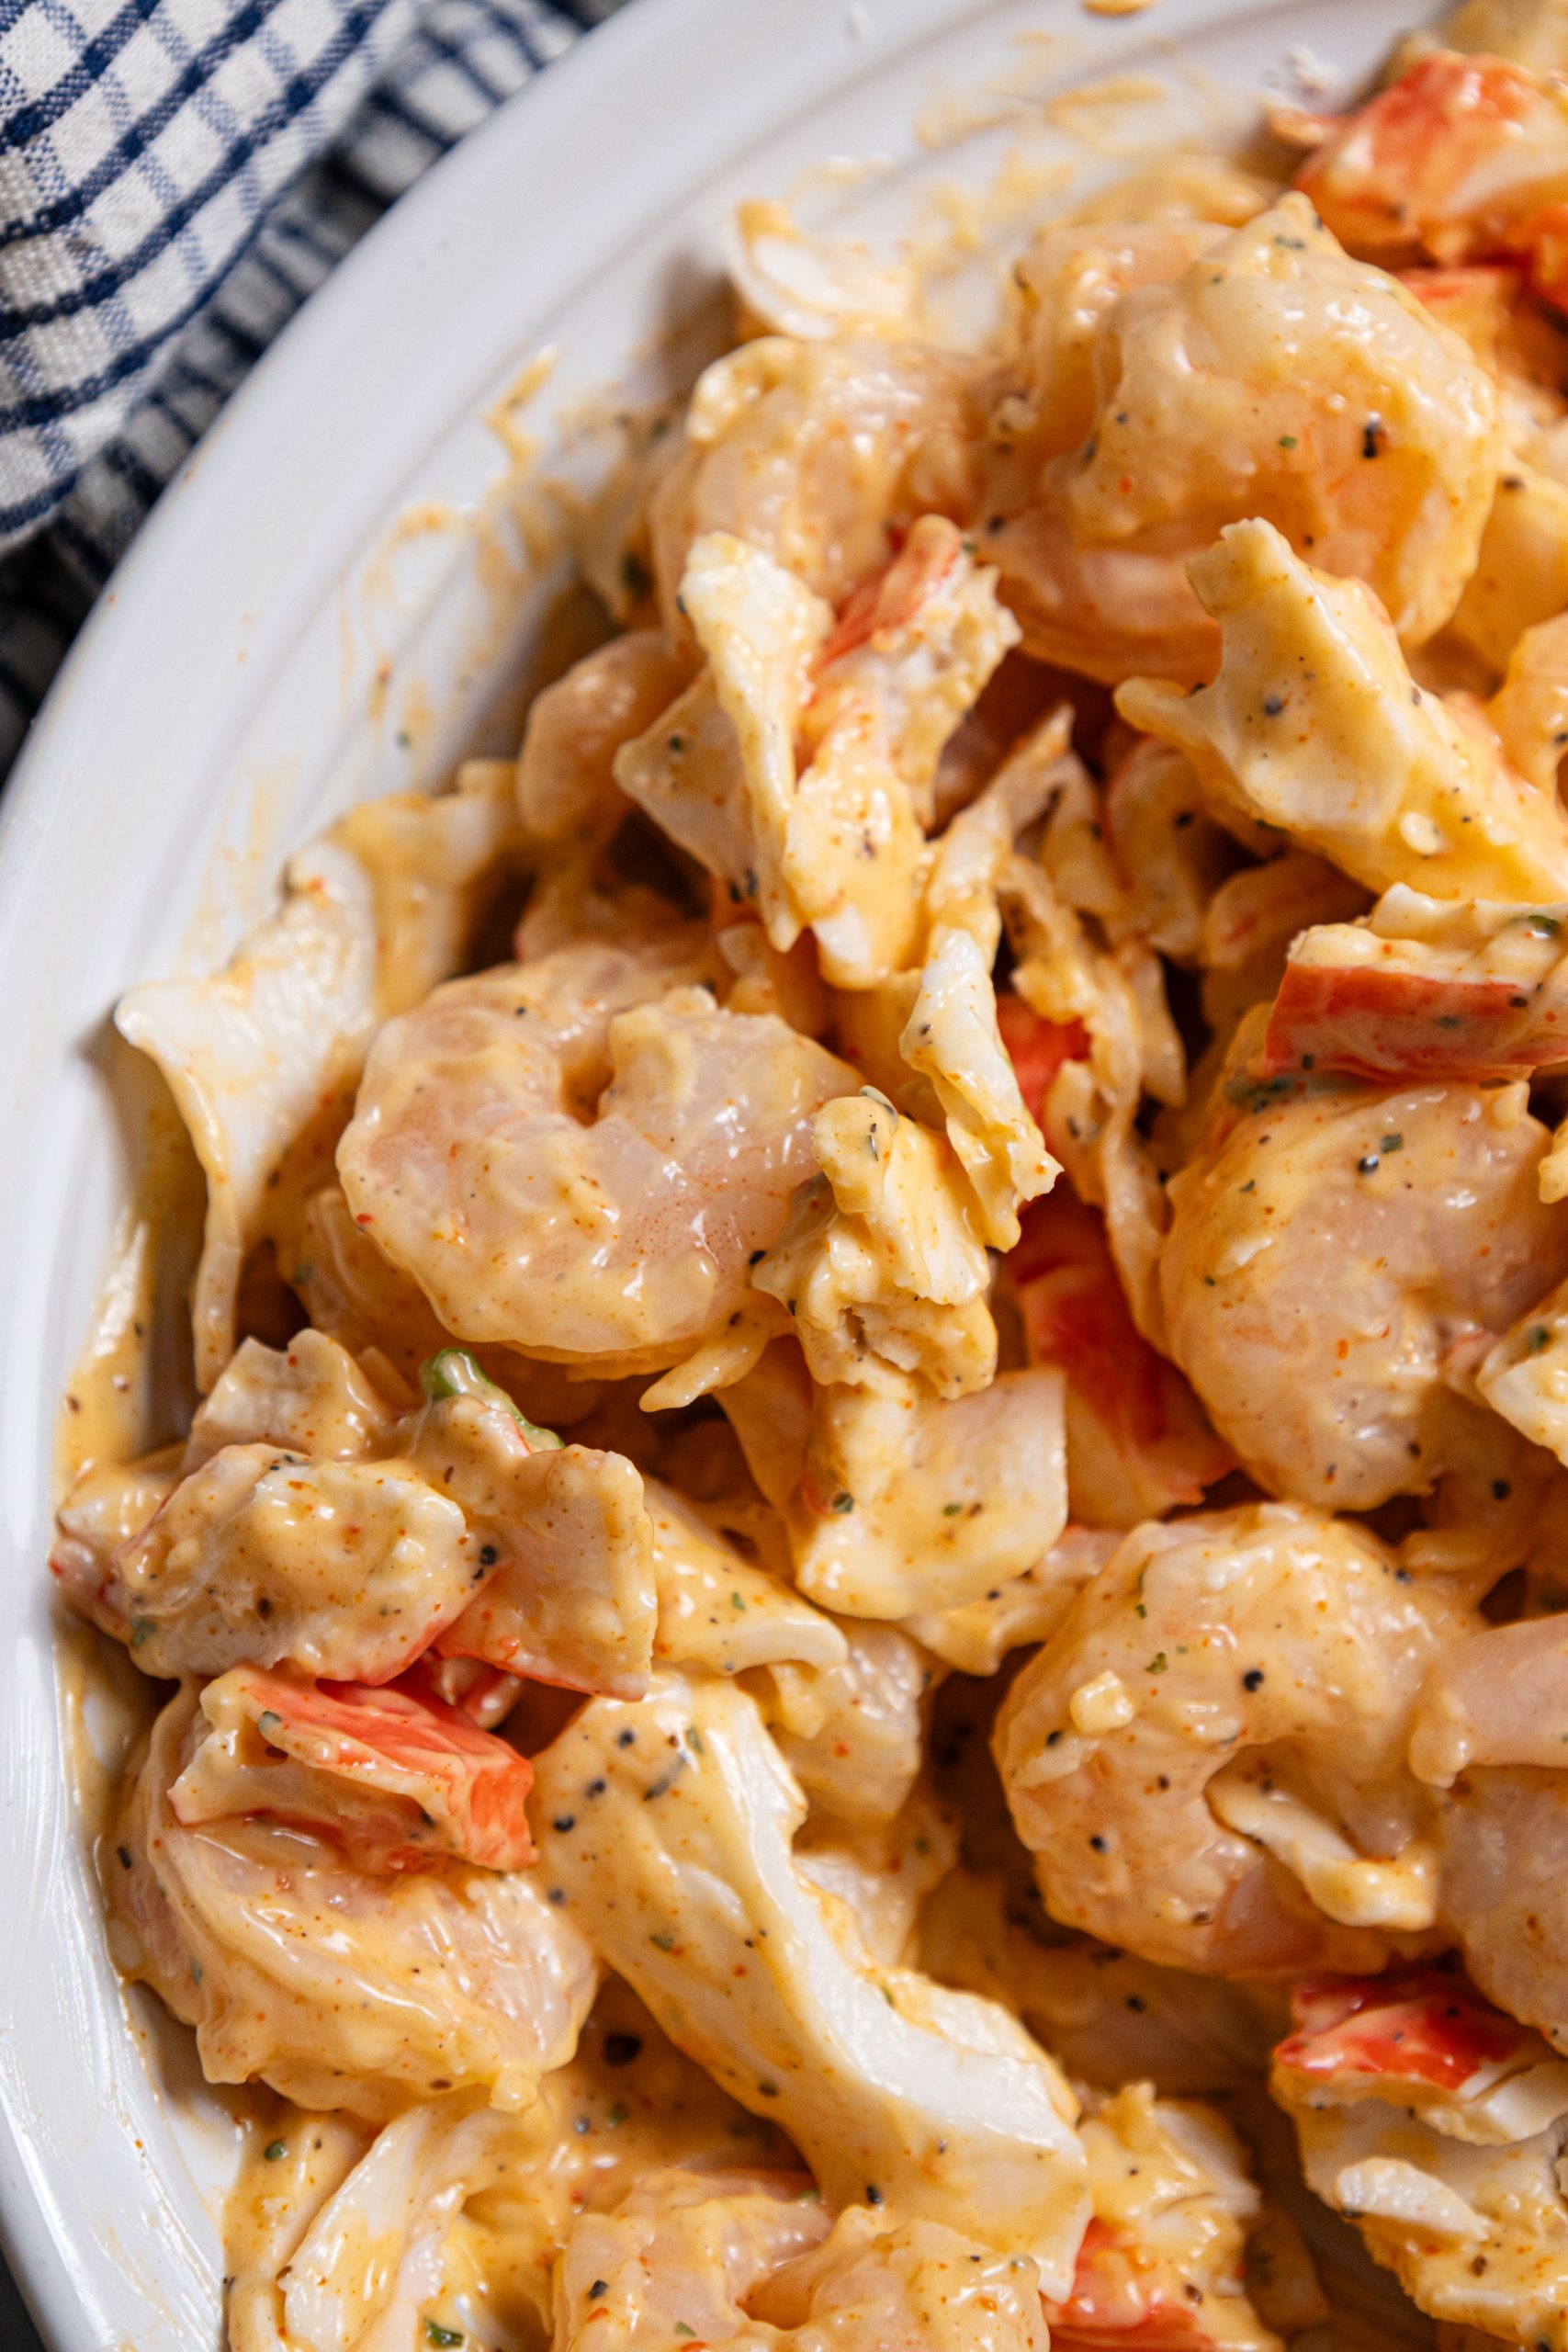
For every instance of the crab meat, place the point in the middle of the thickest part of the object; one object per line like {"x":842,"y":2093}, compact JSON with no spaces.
{"x":1462,"y":159}
{"x":1137,"y":1441}
{"x":1425,"y":2042}
{"x":397,"y":1781}
{"x":1424,"y":989}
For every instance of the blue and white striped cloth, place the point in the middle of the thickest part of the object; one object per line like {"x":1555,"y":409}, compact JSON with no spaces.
{"x":176,"y":178}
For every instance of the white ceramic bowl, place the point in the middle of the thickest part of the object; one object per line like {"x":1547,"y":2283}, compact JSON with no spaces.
{"x":297,"y":605}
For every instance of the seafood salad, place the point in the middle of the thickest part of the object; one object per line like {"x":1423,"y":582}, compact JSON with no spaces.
{"x":857,"y":1640}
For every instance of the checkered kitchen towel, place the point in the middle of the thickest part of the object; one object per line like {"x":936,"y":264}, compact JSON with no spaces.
{"x":175,"y":176}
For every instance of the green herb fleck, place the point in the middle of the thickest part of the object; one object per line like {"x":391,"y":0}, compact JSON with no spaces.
{"x":436,"y":2333}
{"x":1537,"y":1337}
{"x":951,"y":1510}
{"x":1287,"y":440}
{"x":736,"y":1601}
{"x":1157,"y":1665}
{"x":664,"y":1941}
{"x":1393,"y":1143}
{"x":141,"y":1630}
{"x":273,"y":2150}
{"x":454,"y":1372}
{"x":618,"y":2114}
{"x":842,"y":1503}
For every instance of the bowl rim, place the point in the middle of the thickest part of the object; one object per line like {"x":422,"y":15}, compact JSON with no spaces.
{"x":757,"y":64}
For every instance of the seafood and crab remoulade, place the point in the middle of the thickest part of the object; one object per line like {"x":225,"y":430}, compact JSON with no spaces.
{"x":858,"y":1643}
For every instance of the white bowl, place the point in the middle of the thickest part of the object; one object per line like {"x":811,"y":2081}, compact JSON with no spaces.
{"x":296,"y":605}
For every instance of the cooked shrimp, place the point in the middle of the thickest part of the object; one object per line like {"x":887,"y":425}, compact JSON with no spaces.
{"x":749,"y":2260}
{"x":1207,"y":1758}
{"x":1489,"y":1735}
{"x":354,"y":1294}
{"x":618,"y":1240}
{"x":870,"y":2287}
{"x":565,"y":784}
{"x":678,"y":2258}
{"x":1330,"y":1251}
{"x":341,"y":1988}
{"x":1063,"y":289}
{"x":851,"y":1733}
{"x":810,"y":450}
{"x":1259,"y":383}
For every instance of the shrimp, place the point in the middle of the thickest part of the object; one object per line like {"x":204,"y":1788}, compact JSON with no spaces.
{"x":678,"y":2258}
{"x":851,"y":1733}
{"x":810,"y":450}
{"x":615,"y":1241}
{"x":750,"y":2261}
{"x":814,"y":287}
{"x":565,"y":784}
{"x":875,"y":2288}
{"x":1064,"y":291}
{"x":1207,"y":1758}
{"x":1333,"y":1252}
{"x":354,"y":1293}
{"x":1488,"y":1734}
{"x":1316,"y":726}
{"x":1259,"y":383}
{"x":340,"y":1987}
{"x":1438,"y":2126}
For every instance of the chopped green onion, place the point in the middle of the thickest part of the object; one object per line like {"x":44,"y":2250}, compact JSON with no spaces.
{"x":454,"y":1372}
